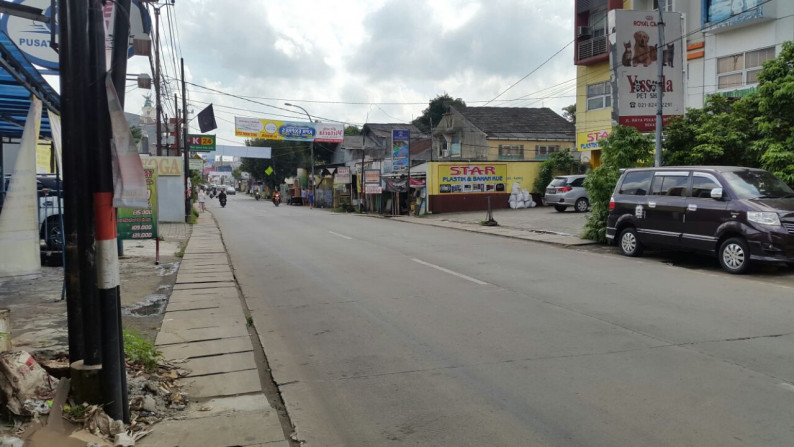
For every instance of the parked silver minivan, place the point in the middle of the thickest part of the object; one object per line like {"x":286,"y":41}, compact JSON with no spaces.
{"x":565,"y":191}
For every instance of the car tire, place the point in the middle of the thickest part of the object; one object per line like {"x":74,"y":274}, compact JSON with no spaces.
{"x":734,"y":255}
{"x":53,"y":236}
{"x":629,"y":243}
{"x":560,"y":208}
{"x":581,"y":205}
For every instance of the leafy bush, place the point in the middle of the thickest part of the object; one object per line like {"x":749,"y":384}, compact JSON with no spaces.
{"x":625,"y":147}
{"x":557,"y":163}
{"x":141,"y":351}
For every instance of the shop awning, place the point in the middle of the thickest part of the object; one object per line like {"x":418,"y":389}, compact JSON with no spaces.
{"x":19,"y":81}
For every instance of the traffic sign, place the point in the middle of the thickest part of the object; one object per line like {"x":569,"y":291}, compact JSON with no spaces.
{"x":201,"y":143}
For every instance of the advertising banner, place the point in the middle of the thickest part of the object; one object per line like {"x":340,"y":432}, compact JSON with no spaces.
{"x":329,"y":133}
{"x":400,"y":149}
{"x":635,"y":79}
{"x":373,"y":189}
{"x":201,"y":143}
{"x":342,"y":175}
{"x":164,"y":165}
{"x":472,"y":178}
{"x":587,"y":141}
{"x":372,"y":176}
{"x":196,"y":164}
{"x":137,"y":223}
{"x":273,"y":129}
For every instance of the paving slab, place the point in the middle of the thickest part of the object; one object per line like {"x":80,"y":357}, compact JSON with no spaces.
{"x":205,"y":302}
{"x":207,"y":348}
{"x":180,"y":324}
{"x":194,"y":295}
{"x":216,"y":312}
{"x":226,"y":384}
{"x":186,"y":278}
{"x":202,"y":334}
{"x":238,"y":428}
{"x":211,"y":285}
{"x":224,"y":363}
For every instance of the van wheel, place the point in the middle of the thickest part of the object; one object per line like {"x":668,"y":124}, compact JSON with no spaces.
{"x":560,"y":208}
{"x":629,"y":243}
{"x":581,"y":205}
{"x":53,"y":235}
{"x":734,"y":255}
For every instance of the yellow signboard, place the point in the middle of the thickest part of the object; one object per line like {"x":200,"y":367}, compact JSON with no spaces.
{"x":588,"y":140}
{"x":468,"y":178}
{"x":164,"y":165}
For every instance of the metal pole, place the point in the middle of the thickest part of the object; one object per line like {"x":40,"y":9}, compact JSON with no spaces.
{"x":659,"y":89}
{"x":311,"y":148}
{"x":73,"y":44}
{"x":2,"y":177}
{"x":107,"y":268}
{"x":158,"y":106}
{"x":185,"y":151}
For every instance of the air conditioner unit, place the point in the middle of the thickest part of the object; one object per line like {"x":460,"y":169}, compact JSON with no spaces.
{"x":583,"y":31}
{"x":445,"y":153}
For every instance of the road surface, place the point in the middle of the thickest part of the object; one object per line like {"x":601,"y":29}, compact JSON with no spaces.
{"x":387,"y":333}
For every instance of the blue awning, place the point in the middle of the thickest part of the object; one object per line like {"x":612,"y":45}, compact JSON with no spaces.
{"x":19,"y":82}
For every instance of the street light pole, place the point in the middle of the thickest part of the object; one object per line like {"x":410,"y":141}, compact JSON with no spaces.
{"x":311,"y":147}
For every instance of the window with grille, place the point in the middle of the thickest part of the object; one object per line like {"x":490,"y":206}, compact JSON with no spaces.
{"x":741,"y":69}
{"x":599,"y":95}
{"x":542,"y":152}
{"x":511,"y":151}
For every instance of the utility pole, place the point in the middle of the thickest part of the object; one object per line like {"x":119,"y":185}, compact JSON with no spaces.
{"x":311,"y":148}
{"x":177,"y":127}
{"x":659,"y":89}
{"x":185,"y":151}
{"x":158,"y":105}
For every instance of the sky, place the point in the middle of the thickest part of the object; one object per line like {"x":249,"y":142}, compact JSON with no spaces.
{"x":359,"y":61}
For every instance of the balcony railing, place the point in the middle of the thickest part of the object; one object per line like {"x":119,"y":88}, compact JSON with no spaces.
{"x":592,"y":47}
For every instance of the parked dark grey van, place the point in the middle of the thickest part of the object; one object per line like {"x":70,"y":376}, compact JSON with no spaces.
{"x":741,"y":214}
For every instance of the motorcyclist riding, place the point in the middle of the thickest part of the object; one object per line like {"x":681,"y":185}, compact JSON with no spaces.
{"x":276,"y":198}
{"x":222,"y":197}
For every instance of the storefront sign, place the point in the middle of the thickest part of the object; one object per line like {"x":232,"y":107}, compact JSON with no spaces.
{"x":586,"y":141}
{"x":196,"y":164}
{"x":400,"y":149}
{"x":164,"y":165}
{"x":373,"y":189}
{"x":372,"y":176}
{"x":201,"y":143}
{"x":635,"y":81}
{"x":472,"y":178}
{"x":140,"y":223}
{"x":342,"y":175}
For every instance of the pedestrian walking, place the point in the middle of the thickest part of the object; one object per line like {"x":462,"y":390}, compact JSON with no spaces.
{"x":311,"y":199}
{"x":304,"y":197}
{"x":201,"y":199}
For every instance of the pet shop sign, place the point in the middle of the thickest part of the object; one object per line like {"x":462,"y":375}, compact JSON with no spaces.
{"x":635,"y":83}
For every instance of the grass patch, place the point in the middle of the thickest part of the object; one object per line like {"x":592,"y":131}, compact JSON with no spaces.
{"x":249,"y":321}
{"x":141,"y":351}
{"x":194,"y":214}
{"x":181,"y":252}
{"x":76,"y":412}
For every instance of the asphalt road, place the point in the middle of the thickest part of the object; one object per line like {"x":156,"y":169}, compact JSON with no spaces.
{"x":382,"y":333}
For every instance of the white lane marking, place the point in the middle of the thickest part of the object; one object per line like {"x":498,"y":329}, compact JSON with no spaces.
{"x":786,"y":386}
{"x":341,"y":235}
{"x":459,"y":275}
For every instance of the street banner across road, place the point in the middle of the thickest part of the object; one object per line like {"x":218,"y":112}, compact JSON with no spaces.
{"x":288,"y":130}
{"x":201,"y":143}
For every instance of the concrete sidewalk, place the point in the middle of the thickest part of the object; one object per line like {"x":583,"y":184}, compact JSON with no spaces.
{"x":205,"y":326}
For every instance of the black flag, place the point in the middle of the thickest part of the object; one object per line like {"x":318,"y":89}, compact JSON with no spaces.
{"x":206,"y":119}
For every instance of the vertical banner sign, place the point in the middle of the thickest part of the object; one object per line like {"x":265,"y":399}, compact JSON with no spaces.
{"x":635,"y":81}
{"x":400,"y":149}
{"x":137,"y":223}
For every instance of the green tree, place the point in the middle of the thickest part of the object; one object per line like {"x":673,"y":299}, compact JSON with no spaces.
{"x":625,"y":147}
{"x":569,"y":113}
{"x":437,"y":107}
{"x":286,"y":158}
{"x":352,"y":130}
{"x":137,"y":134}
{"x":558,"y":163}
{"x":237,"y":174}
{"x":721,"y":133}
{"x":776,"y":120}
